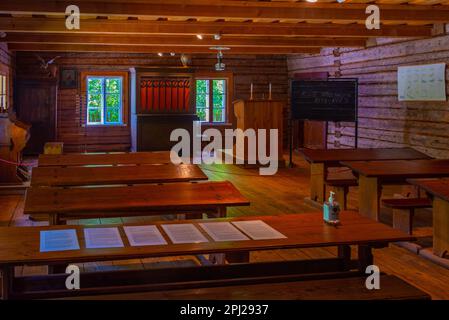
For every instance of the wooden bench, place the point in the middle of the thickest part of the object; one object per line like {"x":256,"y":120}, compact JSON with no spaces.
{"x":83,"y":176}
{"x":341,"y":189}
{"x":19,"y":246}
{"x":60,"y":204}
{"x":330,"y":287}
{"x":404,"y":210}
{"x":116,"y":158}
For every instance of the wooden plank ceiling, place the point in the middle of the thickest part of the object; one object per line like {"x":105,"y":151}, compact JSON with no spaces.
{"x":255,"y":27}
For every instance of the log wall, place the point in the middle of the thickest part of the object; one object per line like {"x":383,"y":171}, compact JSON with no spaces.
{"x":261,"y":70}
{"x":383,"y":120}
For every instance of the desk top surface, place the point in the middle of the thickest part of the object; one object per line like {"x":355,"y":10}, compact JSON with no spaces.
{"x":400,"y":169}
{"x":21,"y":244}
{"x":436,"y":187}
{"x":83,"y":159}
{"x":175,"y":196}
{"x":104,"y":175}
{"x":337,"y":155}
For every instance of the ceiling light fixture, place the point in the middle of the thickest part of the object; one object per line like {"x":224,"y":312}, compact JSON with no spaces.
{"x":217,"y":36}
{"x":341,"y":1}
{"x":199,"y":36}
{"x":2,"y":34}
{"x":219,"y":66}
{"x":172,"y":54}
{"x":160,"y":54}
{"x":312,"y":1}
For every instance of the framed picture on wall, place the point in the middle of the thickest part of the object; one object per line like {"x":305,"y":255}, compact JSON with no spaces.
{"x":68,"y":79}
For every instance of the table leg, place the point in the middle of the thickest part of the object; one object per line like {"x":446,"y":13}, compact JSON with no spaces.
{"x":440,"y":227}
{"x":7,"y":274}
{"x":369,"y":197}
{"x":344,"y":253}
{"x":365,"y":256}
{"x":317,"y":184}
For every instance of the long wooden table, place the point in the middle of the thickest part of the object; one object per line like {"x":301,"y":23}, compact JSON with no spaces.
{"x":121,"y":158}
{"x":321,"y":159}
{"x":373,"y":174}
{"x":137,"y":200}
{"x":439,"y":190}
{"x":104,"y":175}
{"x":20,"y":246}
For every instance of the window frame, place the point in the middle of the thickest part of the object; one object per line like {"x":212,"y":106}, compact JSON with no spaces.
{"x":4,"y":90}
{"x":227,"y":77}
{"x":124,"y":97}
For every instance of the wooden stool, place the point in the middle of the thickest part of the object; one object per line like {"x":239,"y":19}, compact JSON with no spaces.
{"x":404,"y":209}
{"x":53,"y":148}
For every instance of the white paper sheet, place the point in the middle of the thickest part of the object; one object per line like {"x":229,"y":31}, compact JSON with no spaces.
{"x":422,"y":83}
{"x":144,"y":236}
{"x":102,"y":238}
{"x":58,"y":240}
{"x":184,"y":233}
{"x":258,"y":230}
{"x":223,"y":231}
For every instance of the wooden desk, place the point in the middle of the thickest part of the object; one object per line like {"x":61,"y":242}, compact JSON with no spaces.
{"x":20,"y":246}
{"x":439,"y":189}
{"x":83,"y":176}
{"x":372,"y":175}
{"x":321,"y":159}
{"x":83,"y":159}
{"x":138,"y":200}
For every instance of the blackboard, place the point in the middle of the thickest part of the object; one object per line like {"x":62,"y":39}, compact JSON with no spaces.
{"x":324,"y":100}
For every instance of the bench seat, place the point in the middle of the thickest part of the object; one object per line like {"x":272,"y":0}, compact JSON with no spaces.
{"x":351,"y":288}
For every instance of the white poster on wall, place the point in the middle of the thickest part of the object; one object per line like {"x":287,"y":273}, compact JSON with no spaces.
{"x":422,"y":83}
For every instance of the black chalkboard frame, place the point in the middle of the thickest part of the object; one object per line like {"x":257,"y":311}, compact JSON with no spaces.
{"x":356,"y":111}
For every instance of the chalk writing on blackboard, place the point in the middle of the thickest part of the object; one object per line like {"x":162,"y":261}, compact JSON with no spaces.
{"x":422,"y":83}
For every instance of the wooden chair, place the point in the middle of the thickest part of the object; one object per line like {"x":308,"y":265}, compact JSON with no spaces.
{"x":404,"y":210}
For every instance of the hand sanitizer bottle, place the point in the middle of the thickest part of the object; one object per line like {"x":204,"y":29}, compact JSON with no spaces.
{"x":331,"y":210}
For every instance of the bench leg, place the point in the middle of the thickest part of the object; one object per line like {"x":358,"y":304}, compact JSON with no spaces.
{"x":317,"y":184}
{"x":403,"y":220}
{"x":440,"y":227}
{"x":237,"y":257}
{"x":341,"y":196}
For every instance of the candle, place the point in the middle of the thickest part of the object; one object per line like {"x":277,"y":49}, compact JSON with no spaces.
{"x":251,"y":97}
{"x":269,"y":92}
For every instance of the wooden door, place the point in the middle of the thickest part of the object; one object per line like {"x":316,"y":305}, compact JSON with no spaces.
{"x":36,"y":105}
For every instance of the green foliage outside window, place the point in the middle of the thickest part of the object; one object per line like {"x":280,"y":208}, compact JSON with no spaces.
{"x":104,"y":104}
{"x":218,"y":99}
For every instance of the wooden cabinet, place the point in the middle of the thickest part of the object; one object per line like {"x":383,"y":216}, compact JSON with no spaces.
{"x":261,"y":114}
{"x":36,"y":105}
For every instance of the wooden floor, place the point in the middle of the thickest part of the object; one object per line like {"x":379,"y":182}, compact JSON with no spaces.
{"x":280,"y":194}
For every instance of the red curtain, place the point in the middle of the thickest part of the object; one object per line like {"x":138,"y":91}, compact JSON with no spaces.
{"x":164,"y":95}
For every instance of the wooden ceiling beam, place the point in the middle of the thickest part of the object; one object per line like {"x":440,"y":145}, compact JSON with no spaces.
{"x":179,"y":41}
{"x":233,"y":9}
{"x":54,"y":25}
{"x":154,"y":49}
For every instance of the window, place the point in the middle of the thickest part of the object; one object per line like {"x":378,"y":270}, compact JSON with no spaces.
{"x":211,"y":100}
{"x":3,"y":92}
{"x":104,"y":100}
